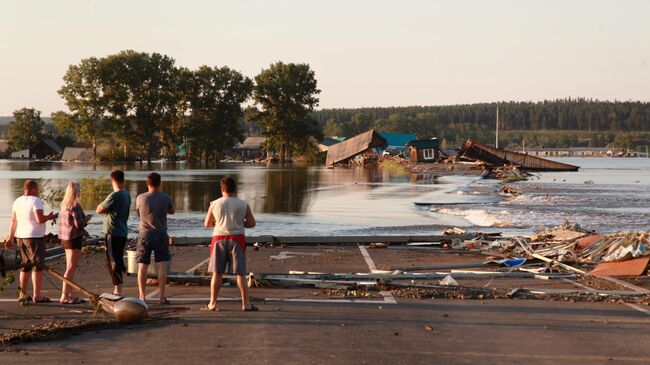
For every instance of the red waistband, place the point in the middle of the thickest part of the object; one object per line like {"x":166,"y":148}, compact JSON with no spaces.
{"x":240,"y":238}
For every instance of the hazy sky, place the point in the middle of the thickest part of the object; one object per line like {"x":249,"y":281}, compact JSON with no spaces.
{"x":364,"y":53}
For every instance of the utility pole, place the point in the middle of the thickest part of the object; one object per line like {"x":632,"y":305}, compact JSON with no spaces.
{"x":497,"y":134}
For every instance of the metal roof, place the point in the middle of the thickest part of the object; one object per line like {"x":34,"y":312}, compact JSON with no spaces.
{"x":398,"y":139}
{"x":353,"y":146}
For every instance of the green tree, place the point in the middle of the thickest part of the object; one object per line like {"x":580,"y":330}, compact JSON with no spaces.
{"x":139,"y":93}
{"x":287,"y":94}
{"x":82,"y":92}
{"x":216,"y":101}
{"x":26,"y":129}
{"x":332,"y":128}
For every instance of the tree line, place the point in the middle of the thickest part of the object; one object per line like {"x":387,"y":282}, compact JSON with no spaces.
{"x":585,"y":122}
{"x":141,"y":105}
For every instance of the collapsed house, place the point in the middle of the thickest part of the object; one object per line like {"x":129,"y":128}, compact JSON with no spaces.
{"x":77,"y":154}
{"x":494,"y":156}
{"x":397,"y":143}
{"x":356,"y":150}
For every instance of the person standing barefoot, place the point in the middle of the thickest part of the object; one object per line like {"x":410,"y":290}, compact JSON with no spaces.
{"x":72,"y":221}
{"x":152,"y":208}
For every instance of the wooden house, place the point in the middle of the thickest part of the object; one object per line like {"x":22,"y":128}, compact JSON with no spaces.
{"x":424,"y":150}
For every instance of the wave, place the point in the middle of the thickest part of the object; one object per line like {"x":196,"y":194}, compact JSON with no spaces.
{"x":481,"y":217}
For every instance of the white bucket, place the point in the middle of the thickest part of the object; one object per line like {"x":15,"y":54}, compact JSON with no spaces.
{"x":132,"y":264}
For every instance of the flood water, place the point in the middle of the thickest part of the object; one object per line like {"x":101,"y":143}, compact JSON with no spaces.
{"x":317,"y":201}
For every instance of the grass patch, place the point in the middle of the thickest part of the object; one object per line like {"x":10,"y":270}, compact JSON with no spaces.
{"x":393,"y":167}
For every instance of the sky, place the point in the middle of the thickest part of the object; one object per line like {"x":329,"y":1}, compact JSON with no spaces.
{"x":364,"y":53}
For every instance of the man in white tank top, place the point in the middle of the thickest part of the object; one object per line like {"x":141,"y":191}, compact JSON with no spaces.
{"x":229,"y":216}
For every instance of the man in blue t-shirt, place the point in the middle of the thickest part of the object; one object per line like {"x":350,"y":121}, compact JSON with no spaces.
{"x":115,"y":209}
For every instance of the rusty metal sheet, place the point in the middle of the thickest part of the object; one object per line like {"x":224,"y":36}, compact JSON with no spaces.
{"x":634,"y":267}
{"x":585,"y":242}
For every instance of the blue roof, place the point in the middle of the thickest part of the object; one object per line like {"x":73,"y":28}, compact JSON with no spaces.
{"x":398,"y":139}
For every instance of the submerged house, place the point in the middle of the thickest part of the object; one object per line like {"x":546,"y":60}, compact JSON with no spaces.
{"x":358,"y":148}
{"x":45,"y":149}
{"x":77,"y":154}
{"x":424,"y":150}
{"x":251,"y":148}
{"x":397,"y":142}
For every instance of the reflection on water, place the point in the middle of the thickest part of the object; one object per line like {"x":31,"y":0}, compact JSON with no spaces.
{"x":315,"y":201}
{"x":287,"y":200}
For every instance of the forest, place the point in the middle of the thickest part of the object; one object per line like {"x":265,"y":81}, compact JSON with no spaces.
{"x":551,"y":123}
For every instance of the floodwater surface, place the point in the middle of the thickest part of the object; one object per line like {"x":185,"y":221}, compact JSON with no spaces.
{"x":606,"y":195}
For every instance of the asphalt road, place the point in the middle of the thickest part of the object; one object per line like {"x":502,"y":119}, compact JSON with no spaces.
{"x":302,"y":327}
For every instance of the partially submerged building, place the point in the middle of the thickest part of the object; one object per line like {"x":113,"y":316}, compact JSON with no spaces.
{"x":424,"y":150}
{"x":396,"y":143}
{"x":77,"y":154}
{"x":251,"y":148}
{"x":45,"y":149}
{"x":498,"y":157}
{"x":358,"y":149}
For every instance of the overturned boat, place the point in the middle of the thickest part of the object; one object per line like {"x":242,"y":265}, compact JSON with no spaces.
{"x":496,"y":156}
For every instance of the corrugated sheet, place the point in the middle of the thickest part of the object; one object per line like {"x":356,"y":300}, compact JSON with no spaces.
{"x":353,"y":146}
{"x":398,"y":139}
{"x":497,"y":156}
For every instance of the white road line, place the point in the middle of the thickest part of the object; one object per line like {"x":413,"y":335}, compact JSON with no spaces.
{"x":366,"y":256}
{"x":636,"y":307}
{"x":301,"y":300}
{"x":388,"y":297}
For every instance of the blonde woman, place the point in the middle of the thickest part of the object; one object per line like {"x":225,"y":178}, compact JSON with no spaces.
{"x":72,"y":221}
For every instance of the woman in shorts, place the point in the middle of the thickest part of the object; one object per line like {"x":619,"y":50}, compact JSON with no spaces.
{"x":72,"y":221}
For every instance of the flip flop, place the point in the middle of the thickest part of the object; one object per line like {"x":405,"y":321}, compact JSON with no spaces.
{"x":42,"y":300}
{"x":164,"y":301}
{"x":206,"y":308}
{"x":252,"y":308}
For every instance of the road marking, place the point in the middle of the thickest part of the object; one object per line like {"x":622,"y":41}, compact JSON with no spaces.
{"x":388,"y":297}
{"x":301,"y":300}
{"x":366,"y":256}
{"x":626,"y":284}
{"x":636,"y":307}
{"x":291,"y":254}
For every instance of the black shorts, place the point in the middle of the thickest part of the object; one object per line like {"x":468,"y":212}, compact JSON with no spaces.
{"x":158,"y":242}
{"x":73,"y":244}
{"x":32,"y":253}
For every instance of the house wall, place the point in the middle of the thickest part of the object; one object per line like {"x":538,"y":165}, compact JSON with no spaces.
{"x":417,"y":155}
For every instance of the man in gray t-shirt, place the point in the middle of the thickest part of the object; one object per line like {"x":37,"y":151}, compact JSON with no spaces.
{"x":152,"y":208}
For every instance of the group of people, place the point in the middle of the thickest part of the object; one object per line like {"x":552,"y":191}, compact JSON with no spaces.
{"x":228,"y":216}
